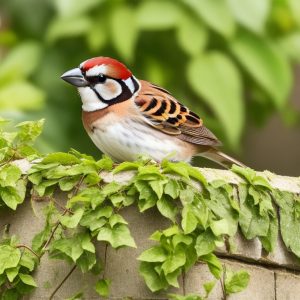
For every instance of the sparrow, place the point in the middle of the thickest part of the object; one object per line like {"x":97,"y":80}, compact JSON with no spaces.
{"x":126,"y":117}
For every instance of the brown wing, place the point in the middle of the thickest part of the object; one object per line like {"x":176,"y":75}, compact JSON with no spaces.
{"x":165,"y":113}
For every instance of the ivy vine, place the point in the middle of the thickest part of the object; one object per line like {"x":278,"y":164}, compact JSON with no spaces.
{"x":203,"y":216}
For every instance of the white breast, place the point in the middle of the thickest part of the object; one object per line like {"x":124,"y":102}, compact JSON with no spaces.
{"x":125,"y":140}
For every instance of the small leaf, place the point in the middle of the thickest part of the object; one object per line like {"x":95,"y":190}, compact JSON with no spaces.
{"x":61,"y":158}
{"x":73,"y":220}
{"x":118,"y":236}
{"x":252,"y":14}
{"x":11,"y":273}
{"x":236,"y":281}
{"x":208,"y":286}
{"x":205,"y":243}
{"x":152,"y":279}
{"x":219,"y":227}
{"x":189,"y":221}
{"x":67,"y":27}
{"x":172,"y":188}
{"x":214,"y":264}
{"x":266,"y":64}
{"x":102,"y":287}
{"x":27,"y":279}
{"x":167,"y":208}
{"x":216,"y":14}
{"x":174,"y":261}
{"x":152,"y":15}
{"x":154,"y":254}
{"x":191,"y":30}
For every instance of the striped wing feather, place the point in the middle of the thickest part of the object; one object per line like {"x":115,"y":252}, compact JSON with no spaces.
{"x":165,"y":113}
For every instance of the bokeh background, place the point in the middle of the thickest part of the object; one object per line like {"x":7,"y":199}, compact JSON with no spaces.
{"x":234,"y":62}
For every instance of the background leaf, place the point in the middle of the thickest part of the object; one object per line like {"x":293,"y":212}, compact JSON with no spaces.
{"x":214,"y":77}
{"x":266,"y":64}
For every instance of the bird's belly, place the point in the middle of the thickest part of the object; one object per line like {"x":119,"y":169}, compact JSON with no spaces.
{"x":125,"y":141}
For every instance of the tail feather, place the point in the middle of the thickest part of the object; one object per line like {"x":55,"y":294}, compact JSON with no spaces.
{"x":221,"y":158}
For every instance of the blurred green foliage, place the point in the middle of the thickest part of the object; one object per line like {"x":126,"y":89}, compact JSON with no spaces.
{"x":229,"y":60}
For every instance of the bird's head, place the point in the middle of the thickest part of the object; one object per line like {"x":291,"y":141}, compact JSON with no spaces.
{"x":102,"y":81}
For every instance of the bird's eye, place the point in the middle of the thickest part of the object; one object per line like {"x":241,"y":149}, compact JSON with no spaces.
{"x":102,"y":78}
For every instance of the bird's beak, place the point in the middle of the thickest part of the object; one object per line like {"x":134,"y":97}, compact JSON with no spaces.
{"x":74,"y":77}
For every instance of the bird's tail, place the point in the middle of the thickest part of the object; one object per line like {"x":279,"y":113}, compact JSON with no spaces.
{"x":221,"y":158}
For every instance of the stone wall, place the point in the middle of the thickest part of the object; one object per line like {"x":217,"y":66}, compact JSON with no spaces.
{"x":272,"y":276}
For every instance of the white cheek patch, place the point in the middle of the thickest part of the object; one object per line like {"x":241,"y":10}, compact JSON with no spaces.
{"x":130,"y":84}
{"x":90,"y":101}
{"x":95,"y":71}
{"x":108,"y":90}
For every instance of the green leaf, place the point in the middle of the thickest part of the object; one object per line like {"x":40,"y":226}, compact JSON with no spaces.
{"x":102,"y":287}
{"x":266,"y":64}
{"x":269,"y":242}
{"x":174,"y":261}
{"x":193,"y":30}
{"x":73,"y":220}
{"x":27,"y":279}
{"x":9,"y":175}
{"x":214,"y":264}
{"x":12,"y":273}
{"x":208,"y":286}
{"x":28,"y":260}
{"x":152,"y":279}
{"x":68,"y":183}
{"x":151,"y":15}
{"x":289,"y":220}
{"x":67,"y":27}
{"x":124,"y":31}
{"x":189,"y":221}
{"x":13,"y":66}
{"x":250,"y":220}
{"x":172,"y":278}
{"x":66,"y":8}
{"x":186,"y":297}
{"x":86,"y":261}
{"x":252,"y":14}
{"x":118,"y":236}
{"x":158,"y":187}
{"x":11,"y":196}
{"x":68,"y":246}
{"x":126,"y":166}
{"x":180,"y":168}
{"x":225,"y":98}
{"x":61,"y":158}
{"x":205,"y":243}
{"x":172,"y":188}
{"x":154,"y":254}
{"x":29,"y":130}
{"x":167,"y":208}
{"x":116,"y":219}
{"x":26,"y":96}
{"x":216,"y":14}
{"x":236,"y":281}
{"x":219,"y":227}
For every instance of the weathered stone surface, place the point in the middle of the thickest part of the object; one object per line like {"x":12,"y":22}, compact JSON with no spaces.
{"x":287,"y":286}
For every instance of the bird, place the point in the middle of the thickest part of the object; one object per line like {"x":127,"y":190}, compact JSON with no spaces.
{"x":126,"y":117}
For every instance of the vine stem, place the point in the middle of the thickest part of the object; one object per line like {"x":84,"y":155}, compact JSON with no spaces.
{"x":75,"y":191}
{"x":62,"y":282}
{"x":223,"y":283}
{"x":29,"y":249}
